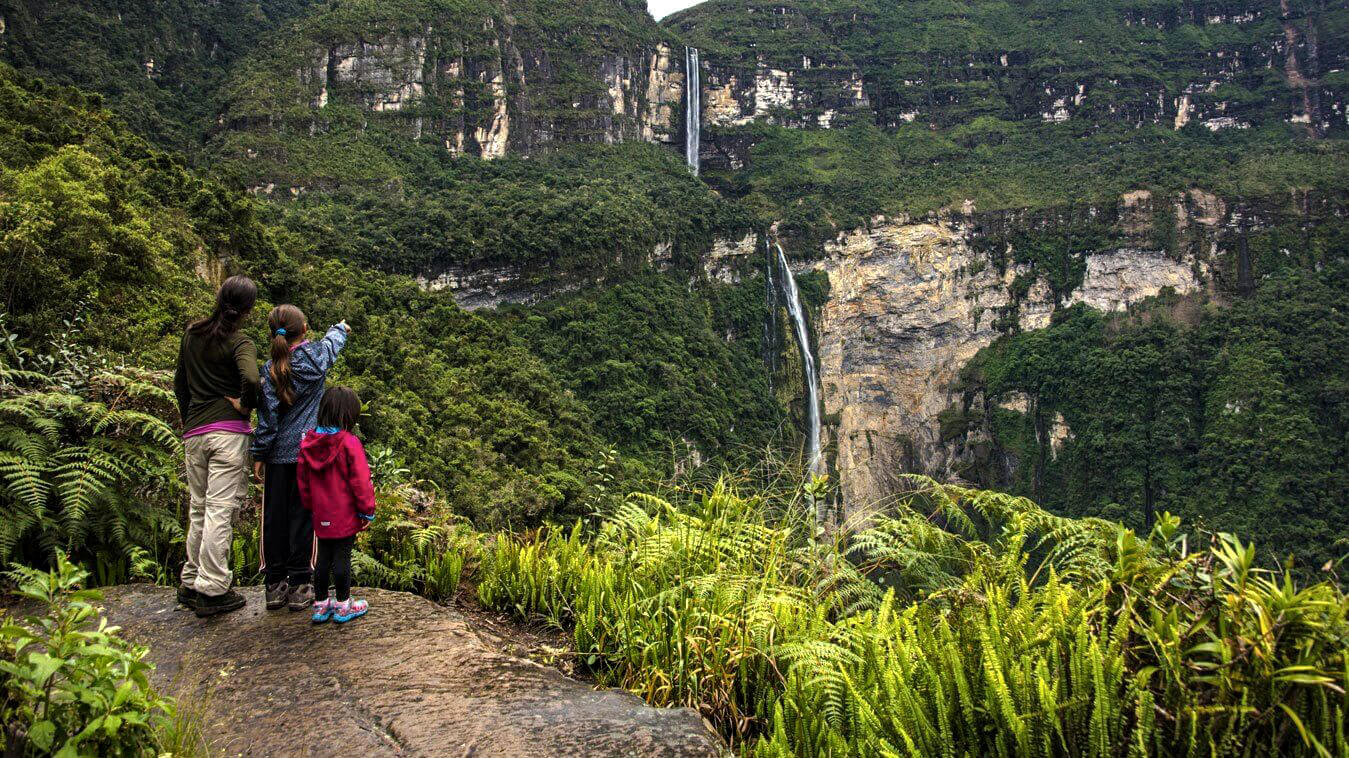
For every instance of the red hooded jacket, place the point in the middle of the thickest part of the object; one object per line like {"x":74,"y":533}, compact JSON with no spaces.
{"x":335,"y":485}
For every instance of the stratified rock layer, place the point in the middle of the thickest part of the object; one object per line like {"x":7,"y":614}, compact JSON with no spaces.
{"x":909,"y":305}
{"x":411,"y":678}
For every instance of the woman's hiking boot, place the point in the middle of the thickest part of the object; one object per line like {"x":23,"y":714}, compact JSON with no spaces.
{"x":188,"y":596}
{"x":276,"y":595}
{"x":210,"y":605}
{"x":301,"y":596}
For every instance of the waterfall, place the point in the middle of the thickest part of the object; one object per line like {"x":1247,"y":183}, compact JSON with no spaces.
{"x":770,"y":324}
{"x":798,"y":315}
{"x":693,"y":107}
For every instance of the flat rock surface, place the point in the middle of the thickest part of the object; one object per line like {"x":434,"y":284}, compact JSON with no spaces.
{"x":409,"y":678}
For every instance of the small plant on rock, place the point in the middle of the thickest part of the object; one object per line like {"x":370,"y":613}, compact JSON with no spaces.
{"x":72,"y":686}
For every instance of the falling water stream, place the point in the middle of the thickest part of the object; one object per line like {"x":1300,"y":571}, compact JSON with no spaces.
{"x":693,"y":108}
{"x":798,"y":315}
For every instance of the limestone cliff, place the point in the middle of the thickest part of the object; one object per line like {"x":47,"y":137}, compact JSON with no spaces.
{"x":484,"y":85}
{"x":823,"y":63}
{"x":475,"y":286}
{"x":911,"y":301}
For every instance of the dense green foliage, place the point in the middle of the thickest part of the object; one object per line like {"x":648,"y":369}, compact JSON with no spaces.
{"x":90,"y":470}
{"x":158,"y":64}
{"x":582,"y":208}
{"x":103,"y":230}
{"x":817,"y":182}
{"x":1008,"y":631}
{"x":93,"y":218}
{"x":659,"y":363}
{"x":1236,"y":416}
{"x":72,"y":686}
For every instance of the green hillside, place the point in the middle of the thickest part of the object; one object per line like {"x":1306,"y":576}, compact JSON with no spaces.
{"x":112,"y":245}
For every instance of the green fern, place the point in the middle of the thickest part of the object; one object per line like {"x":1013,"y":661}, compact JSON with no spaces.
{"x":85,"y":473}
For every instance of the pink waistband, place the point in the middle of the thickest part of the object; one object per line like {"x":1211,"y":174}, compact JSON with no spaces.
{"x":233,"y":427}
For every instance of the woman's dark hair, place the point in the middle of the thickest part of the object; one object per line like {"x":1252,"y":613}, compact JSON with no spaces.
{"x":340,"y":407}
{"x":287,"y":324}
{"x":232,"y":303}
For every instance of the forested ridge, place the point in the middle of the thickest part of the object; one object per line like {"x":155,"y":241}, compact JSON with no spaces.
{"x":1230,"y":416}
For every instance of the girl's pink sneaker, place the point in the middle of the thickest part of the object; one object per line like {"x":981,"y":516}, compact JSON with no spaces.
{"x":346,"y":610}
{"x":323,"y":610}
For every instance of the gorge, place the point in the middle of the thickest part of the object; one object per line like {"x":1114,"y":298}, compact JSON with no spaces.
{"x":952,"y":180}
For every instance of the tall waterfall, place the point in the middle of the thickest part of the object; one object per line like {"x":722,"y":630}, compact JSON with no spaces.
{"x":798,"y":315}
{"x":693,"y":107}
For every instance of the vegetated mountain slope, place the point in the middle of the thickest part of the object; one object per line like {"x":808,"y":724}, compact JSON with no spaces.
{"x":369,"y":116}
{"x":158,"y":63}
{"x":360,"y":109}
{"x":1226,"y":64}
{"x":470,"y":77}
{"x":1235,"y":418}
{"x":914,"y":107}
{"x":111,"y":245}
{"x":107,"y":233}
{"x":819,"y":182}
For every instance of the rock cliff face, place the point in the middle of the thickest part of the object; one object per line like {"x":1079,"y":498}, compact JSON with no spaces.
{"x":911,"y":302}
{"x":826,"y":63}
{"x":480,"y":86}
{"x":477,"y":286}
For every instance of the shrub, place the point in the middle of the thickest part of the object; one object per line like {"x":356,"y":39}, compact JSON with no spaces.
{"x":73,"y":686}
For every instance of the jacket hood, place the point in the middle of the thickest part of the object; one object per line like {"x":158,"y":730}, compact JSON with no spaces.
{"x":320,"y":450}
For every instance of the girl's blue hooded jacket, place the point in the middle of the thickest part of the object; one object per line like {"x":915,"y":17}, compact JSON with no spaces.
{"x":277,"y":436}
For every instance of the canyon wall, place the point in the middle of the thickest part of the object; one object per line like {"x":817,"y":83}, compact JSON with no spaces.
{"x":495,"y":96}
{"x":829,"y":63}
{"x":912,"y":301}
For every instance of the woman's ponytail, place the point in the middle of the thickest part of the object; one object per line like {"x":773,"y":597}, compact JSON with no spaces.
{"x":287,"y":324}
{"x":232,"y":303}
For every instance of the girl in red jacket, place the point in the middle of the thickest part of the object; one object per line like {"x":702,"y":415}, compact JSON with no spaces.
{"x":335,"y":487}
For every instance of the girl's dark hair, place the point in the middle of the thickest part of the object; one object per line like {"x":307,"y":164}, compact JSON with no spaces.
{"x":340,"y":407}
{"x":232,"y":303}
{"x":287,"y":324}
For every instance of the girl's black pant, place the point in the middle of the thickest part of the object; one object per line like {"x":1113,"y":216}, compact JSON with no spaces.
{"x":334,"y":559}
{"x":287,"y":528}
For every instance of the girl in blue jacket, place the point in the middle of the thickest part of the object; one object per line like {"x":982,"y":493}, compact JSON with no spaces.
{"x":292,"y":386}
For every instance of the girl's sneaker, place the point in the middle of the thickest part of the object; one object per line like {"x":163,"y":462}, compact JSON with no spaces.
{"x":323,"y":610}
{"x":346,"y":610}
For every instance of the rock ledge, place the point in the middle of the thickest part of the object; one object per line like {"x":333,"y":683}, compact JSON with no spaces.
{"x":411,"y":678}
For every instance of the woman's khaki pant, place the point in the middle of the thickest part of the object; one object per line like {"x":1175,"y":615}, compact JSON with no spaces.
{"x":217,"y":482}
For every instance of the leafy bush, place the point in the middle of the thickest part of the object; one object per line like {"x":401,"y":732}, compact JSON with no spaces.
{"x":72,"y":687}
{"x":966,"y":623}
{"x":414,"y":545}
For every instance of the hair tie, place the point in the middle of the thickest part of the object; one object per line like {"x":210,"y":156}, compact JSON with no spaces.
{"x":281,"y":332}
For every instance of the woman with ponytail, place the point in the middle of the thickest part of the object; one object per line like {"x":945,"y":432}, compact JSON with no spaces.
{"x":216,"y":385}
{"x":292,"y":386}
